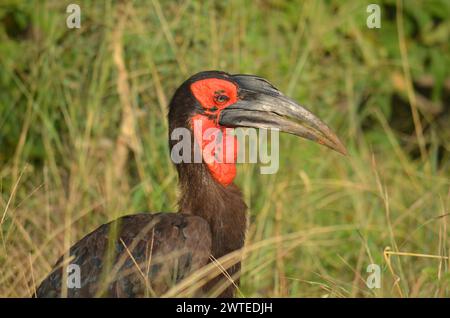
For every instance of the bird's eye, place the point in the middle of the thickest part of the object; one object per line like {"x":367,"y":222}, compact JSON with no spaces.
{"x":221,"y":99}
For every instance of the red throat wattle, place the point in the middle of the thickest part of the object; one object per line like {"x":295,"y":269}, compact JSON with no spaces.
{"x":218,"y":146}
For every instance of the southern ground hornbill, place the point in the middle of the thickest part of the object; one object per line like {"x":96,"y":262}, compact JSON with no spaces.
{"x":145,"y":254}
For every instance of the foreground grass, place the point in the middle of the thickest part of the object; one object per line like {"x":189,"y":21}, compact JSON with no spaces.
{"x":61,"y":116}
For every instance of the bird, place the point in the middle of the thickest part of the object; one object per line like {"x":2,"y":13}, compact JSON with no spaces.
{"x":146,"y":254}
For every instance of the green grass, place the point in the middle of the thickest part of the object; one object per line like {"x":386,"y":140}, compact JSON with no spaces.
{"x":61,"y":113}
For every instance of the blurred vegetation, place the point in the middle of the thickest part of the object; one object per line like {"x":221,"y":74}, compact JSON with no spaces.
{"x":385,"y":91}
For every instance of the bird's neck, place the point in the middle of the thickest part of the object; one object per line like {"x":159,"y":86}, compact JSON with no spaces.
{"x":221,"y":206}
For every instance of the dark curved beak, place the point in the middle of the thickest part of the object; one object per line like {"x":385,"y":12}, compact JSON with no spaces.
{"x":261,"y":105}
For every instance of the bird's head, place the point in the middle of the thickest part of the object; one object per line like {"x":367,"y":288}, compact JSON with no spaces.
{"x":219,"y":100}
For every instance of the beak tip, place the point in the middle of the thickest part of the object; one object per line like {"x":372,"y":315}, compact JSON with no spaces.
{"x":339,"y":147}
{"x":332,"y":141}
{"x":342,"y":150}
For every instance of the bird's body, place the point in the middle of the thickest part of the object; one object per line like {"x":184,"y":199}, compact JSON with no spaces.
{"x":147,"y":254}
{"x":165,"y":247}
{"x":153,"y":252}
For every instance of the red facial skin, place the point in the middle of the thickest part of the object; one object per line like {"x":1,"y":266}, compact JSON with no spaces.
{"x":209,"y":93}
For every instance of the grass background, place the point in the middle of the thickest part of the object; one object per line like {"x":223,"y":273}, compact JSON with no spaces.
{"x":68,"y":97}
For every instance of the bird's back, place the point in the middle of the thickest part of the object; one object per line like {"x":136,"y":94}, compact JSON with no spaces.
{"x":134,"y":256}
